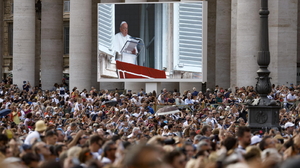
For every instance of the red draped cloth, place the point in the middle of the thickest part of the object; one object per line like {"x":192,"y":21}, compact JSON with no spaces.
{"x":130,"y":71}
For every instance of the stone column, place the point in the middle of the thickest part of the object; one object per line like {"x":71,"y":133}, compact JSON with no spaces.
{"x":247,"y":43}
{"x":211,"y":44}
{"x":51,"y":43}
{"x":94,"y":43}
{"x":223,"y":38}
{"x":233,"y":44}
{"x":24,"y":42}
{"x":298,"y":37}
{"x":37,"y":51}
{"x":80,"y":44}
{"x":1,"y":36}
{"x":283,"y":20}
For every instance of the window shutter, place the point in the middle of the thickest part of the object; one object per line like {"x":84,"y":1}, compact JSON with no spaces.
{"x":106,"y":32}
{"x":188,"y":36}
{"x":66,"y":6}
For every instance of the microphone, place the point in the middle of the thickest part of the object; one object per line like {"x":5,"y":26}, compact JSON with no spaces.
{"x":135,"y":38}
{"x":140,"y":41}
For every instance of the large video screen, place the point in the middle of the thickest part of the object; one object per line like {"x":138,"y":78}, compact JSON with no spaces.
{"x":152,"y":41}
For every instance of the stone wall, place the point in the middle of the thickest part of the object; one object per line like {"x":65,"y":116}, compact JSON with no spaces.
{"x":8,"y":19}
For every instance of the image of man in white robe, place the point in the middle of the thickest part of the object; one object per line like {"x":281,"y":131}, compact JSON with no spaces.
{"x":122,"y":37}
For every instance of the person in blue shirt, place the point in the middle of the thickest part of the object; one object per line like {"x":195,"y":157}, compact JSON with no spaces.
{"x":150,"y":109}
{"x":26,"y":86}
{"x":195,"y":93}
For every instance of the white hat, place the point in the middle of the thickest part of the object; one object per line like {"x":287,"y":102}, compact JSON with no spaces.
{"x":288,"y":124}
{"x":227,"y":108}
{"x":134,"y":95}
{"x":122,"y":23}
{"x":11,"y":160}
{"x":166,"y":127}
{"x":255,"y":140}
{"x":135,"y":115}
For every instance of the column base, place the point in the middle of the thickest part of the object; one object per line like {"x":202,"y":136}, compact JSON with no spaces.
{"x":263,"y":117}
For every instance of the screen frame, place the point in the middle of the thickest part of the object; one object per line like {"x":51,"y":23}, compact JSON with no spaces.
{"x":204,"y":56}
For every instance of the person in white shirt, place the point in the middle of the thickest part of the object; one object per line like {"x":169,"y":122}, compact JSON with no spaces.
{"x":134,"y":99}
{"x":165,"y":131}
{"x":40,"y":127}
{"x":78,"y":105}
{"x":135,"y":131}
{"x":122,"y":37}
{"x":187,"y":119}
{"x":56,"y":99}
{"x":212,"y":120}
{"x":291,"y":98}
{"x":189,"y":100}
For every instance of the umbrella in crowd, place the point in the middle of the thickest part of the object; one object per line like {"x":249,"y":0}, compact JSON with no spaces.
{"x":167,"y":110}
{"x":110,"y":103}
{"x":5,"y":112}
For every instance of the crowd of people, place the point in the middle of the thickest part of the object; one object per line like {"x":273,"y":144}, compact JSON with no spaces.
{"x":124,"y":129}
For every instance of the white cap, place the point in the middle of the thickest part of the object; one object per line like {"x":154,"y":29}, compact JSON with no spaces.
{"x":11,"y":160}
{"x":122,"y":23}
{"x":255,"y":140}
{"x":288,"y":124}
{"x":135,"y":114}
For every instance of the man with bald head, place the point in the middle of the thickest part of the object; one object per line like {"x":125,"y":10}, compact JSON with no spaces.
{"x":122,"y":37}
